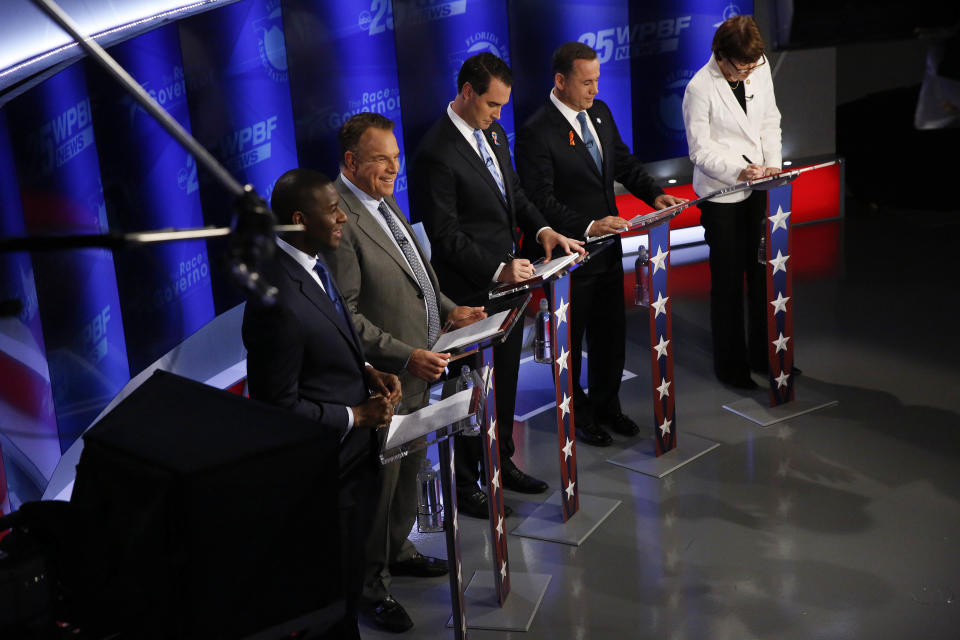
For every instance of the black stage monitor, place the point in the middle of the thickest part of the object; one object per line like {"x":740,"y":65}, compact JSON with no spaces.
{"x":212,"y":515}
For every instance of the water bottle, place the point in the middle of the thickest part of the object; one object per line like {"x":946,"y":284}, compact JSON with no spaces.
{"x":641,"y":268}
{"x":542,"y":347}
{"x":464,"y":382}
{"x":762,"y":251}
{"x":429,"y":503}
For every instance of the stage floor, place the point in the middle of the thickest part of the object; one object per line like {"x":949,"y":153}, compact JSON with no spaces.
{"x":841,"y":523}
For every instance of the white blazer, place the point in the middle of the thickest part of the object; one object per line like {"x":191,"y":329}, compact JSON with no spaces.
{"x":719,"y":133}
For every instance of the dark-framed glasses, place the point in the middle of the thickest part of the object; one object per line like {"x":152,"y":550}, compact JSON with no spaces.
{"x":751,"y":68}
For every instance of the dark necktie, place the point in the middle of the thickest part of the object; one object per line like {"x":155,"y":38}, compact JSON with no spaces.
{"x":589,"y":141}
{"x":410,"y":253}
{"x":488,"y":161}
{"x":321,"y":270}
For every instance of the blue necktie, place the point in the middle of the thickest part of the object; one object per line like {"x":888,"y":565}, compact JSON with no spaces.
{"x":488,"y":160}
{"x":589,"y":141}
{"x":321,"y":270}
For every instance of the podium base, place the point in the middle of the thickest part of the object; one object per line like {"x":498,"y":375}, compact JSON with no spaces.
{"x":546,"y":521}
{"x":643,"y":457}
{"x":756,"y":411}
{"x":516,"y":614}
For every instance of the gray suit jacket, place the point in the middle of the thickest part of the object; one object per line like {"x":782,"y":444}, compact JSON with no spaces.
{"x":383,"y":294}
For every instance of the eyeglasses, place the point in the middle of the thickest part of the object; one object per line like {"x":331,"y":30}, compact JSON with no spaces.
{"x":750,"y":69}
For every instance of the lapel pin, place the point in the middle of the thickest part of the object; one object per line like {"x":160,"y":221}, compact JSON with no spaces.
{"x":571,"y":139}
{"x":496,"y":140}
{"x":598,"y":120}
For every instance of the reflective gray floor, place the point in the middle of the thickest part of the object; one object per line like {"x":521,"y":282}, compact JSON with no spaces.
{"x":843,"y":523}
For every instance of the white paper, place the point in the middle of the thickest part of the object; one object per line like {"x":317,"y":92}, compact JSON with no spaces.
{"x":415,"y":425}
{"x":470,"y":334}
{"x":547,"y":269}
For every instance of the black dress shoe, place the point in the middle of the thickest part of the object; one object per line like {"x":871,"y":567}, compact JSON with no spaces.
{"x":593,"y":435}
{"x":620,"y":424}
{"x":386,"y":614}
{"x":474,"y":504}
{"x":419,"y":566}
{"x":517,"y":480}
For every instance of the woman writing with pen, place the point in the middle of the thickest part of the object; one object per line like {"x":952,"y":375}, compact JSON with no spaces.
{"x":733,"y":134}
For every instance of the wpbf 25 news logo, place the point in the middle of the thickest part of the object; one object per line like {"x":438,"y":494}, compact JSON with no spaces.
{"x":271,"y":44}
{"x":247,"y":146}
{"x":639,"y":40}
{"x":62,"y":138}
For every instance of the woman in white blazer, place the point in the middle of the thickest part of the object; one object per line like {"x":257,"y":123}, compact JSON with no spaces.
{"x":733,"y":133}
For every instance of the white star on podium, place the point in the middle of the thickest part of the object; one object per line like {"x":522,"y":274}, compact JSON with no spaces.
{"x":661,"y":347}
{"x":568,"y":449}
{"x":499,"y":525}
{"x":492,"y":431}
{"x":562,"y":359}
{"x":781,"y":343}
{"x":780,"y":304}
{"x":565,"y":406}
{"x":570,"y":485}
{"x":782,"y":379}
{"x":496,"y":480}
{"x":562,"y":312}
{"x":664,"y":389}
{"x":503,"y":570}
{"x":665,"y":427}
{"x":779,"y":219}
{"x":660,"y":305}
{"x":780,"y":262}
{"x":658,"y":260}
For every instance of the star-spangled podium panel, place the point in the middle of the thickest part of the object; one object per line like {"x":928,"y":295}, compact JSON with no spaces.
{"x":451,"y":531}
{"x":491,"y":460}
{"x":779,"y":270}
{"x":559,"y":295}
{"x":661,"y":339}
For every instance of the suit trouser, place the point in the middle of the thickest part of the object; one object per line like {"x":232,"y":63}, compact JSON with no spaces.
{"x":468,"y":451}
{"x":733,"y":232}
{"x":357,"y":494}
{"x":393,"y":518}
{"x":598,"y":312}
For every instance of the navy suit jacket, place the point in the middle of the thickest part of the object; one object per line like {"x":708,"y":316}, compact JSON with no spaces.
{"x":470,"y":225}
{"x":562,"y":179}
{"x":302,"y":354}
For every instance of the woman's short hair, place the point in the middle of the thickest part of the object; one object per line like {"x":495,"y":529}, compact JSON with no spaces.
{"x":739,"y":39}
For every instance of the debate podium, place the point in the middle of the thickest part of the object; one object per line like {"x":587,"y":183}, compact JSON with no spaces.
{"x":664,"y":452}
{"x":781,"y":377}
{"x":566,"y":516}
{"x":492,"y":599}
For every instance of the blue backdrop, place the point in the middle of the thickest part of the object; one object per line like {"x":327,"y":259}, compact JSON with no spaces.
{"x":343,"y":62}
{"x":235,"y":66}
{"x":151,"y":182}
{"x":670,"y":41}
{"x":56,"y":159}
{"x":29,"y":440}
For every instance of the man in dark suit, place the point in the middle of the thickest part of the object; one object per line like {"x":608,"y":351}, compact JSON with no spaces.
{"x":568,"y":155}
{"x":398,"y":310}
{"x":303,"y":354}
{"x":471,"y":203}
